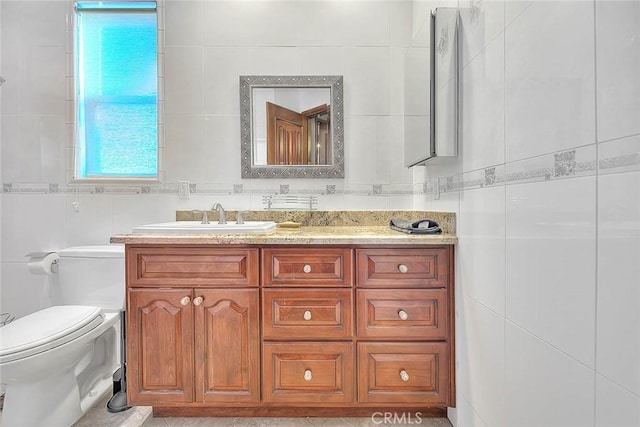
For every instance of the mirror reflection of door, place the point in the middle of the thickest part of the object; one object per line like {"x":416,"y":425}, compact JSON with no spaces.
{"x":286,"y":136}
{"x":298,"y":138}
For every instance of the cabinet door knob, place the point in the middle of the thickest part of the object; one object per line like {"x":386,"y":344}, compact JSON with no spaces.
{"x":403,"y":268}
{"x":306,"y":268}
{"x":307,"y":375}
{"x":404,"y":376}
{"x":403,"y":315}
{"x":198,"y":300}
{"x":185,"y":300}
{"x":307,"y":315}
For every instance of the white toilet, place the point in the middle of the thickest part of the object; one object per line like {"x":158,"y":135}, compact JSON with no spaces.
{"x":56,"y":363}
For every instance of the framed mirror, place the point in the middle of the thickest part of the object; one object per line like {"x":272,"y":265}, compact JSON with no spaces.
{"x":292,"y":126}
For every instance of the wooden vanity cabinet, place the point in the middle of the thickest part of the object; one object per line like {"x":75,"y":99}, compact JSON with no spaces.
{"x":290,"y":330}
{"x":190,"y":338}
{"x":405,"y":325}
{"x":307,"y":306}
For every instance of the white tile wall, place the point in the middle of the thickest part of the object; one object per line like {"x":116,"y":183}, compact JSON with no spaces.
{"x":184,"y":23}
{"x":221,"y":85}
{"x":481,"y":260}
{"x":184,"y":81}
{"x":615,"y":406}
{"x":618,"y":309}
{"x":464,"y":415}
{"x":551,"y":263}
{"x":549,"y":79}
{"x":544,"y":387}
{"x":483,"y":106}
{"x":548,"y":299}
{"x":538,"y":79}
{"x":481,"y":360}
{"x":618,"y":68}
{"x":221,"y":156}
{"x":480,"y":23}
{"x":205,"y":46}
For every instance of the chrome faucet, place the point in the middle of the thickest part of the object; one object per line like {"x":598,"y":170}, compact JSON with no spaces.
{"x":222,"y":219}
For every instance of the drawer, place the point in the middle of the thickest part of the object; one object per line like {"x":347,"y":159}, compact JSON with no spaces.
{"x":409,"y":268}
{"x":307,"y":266}
{"x":191,"y":267}
{"x":408,"y":314}
{"x":403,"y":373}
{"x":308,"y":372}
{"x":307,"y":314}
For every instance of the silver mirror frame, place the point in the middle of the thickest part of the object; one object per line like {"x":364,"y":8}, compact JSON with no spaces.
{"x":249,"y":170}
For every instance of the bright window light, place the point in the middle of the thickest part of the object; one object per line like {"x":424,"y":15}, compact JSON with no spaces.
{"x":116,"y":89}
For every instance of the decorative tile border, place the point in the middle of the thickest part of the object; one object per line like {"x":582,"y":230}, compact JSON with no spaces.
{"x":488,"y":177}
{"x":577,"y":162}
{"x":209,"y":189}
{"x":564,"y":163}
{"x":630,"y":162}
{"x":616,"y":156}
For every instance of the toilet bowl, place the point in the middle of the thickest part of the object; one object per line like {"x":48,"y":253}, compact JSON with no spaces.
{"x":57,"y":362}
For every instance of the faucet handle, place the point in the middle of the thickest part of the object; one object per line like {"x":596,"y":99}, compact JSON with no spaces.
{"x":205,"y":217}
{"x":240,"y":217}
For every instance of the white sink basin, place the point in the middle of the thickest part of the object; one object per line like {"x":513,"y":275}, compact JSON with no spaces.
{"x":196,"y":227}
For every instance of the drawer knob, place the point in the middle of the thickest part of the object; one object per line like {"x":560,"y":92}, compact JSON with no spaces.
{"x":307,"y":375}
{"x":185,"y":300}
{"x":403,"y":315}
{"x":306,"y":268}
{"x":404,"y":376}
{"x":403,"y":268}
{"x":198,"y":300}
{"x":307,"y":315}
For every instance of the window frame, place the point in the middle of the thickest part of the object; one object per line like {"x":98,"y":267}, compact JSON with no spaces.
{"x":78,"y":146}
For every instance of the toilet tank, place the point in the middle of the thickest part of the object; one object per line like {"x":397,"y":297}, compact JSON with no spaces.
{"x":91,"y":275}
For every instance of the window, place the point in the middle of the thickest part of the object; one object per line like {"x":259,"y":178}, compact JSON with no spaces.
{"x":116,"y":90}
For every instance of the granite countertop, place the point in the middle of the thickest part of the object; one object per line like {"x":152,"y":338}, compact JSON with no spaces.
{"x":318,"y":227}
{"x":336,"y":235}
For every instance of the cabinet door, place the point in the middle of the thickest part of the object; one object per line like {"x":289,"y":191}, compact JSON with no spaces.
{"x":227,"y":345}
{"x":159,"y":346}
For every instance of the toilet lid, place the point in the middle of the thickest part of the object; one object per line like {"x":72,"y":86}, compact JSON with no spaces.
{"x":46,"y":329}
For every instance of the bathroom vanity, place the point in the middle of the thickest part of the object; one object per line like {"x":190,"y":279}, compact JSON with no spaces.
{"x":316,"y":321}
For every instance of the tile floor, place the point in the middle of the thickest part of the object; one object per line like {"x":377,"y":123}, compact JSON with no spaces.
{"x":98,"y":416}
{"x":141,"y":416}
{"x":293,"y":422}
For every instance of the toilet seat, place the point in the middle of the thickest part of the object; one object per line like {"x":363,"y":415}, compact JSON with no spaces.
{"x":46,"y":329}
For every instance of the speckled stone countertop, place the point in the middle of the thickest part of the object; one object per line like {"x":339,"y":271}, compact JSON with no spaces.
{"x":446,"y":220}
{"x":318,"y":227}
